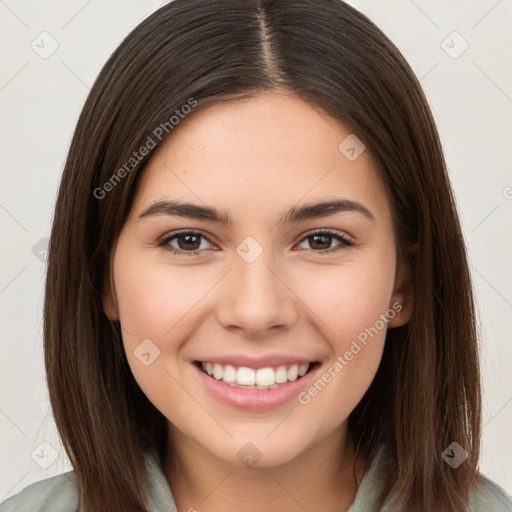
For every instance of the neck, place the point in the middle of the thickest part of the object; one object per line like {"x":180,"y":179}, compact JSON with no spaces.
{"x":323,"y":473}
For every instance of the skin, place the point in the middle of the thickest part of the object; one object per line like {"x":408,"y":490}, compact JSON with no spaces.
{"x":257,"y":158}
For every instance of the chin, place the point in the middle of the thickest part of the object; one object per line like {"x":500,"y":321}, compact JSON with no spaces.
{"x":258,"y":452}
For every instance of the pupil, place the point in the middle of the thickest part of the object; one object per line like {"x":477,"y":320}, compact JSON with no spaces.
{"x":324,"y":238}
{"x":188,"y":238}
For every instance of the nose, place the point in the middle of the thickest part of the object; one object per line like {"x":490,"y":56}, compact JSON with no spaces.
{"x":257,"y":299}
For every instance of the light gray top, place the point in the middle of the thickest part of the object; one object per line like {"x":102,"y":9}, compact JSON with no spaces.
{"x":60,"y":493}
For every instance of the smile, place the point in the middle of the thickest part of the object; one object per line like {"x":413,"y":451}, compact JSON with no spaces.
{"x":261,"y":378}
{"x":249,"y":388}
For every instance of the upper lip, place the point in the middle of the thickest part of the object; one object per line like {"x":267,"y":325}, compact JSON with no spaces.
{"x":256,"y":362}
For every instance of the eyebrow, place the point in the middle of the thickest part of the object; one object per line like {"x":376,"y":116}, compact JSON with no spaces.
{"x":295,"y":214}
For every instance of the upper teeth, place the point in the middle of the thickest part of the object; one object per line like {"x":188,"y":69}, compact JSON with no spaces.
{"x":249,"y":377}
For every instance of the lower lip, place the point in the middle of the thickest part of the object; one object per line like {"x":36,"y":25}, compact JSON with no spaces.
{"x":256,"y":399}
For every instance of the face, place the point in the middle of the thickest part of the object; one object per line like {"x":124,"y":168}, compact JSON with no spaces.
{"x":264,"y":297}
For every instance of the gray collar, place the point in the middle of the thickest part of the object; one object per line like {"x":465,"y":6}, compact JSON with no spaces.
{"x":161,"y":499}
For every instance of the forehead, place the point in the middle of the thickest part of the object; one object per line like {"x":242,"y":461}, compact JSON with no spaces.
{"x":255,"y":153}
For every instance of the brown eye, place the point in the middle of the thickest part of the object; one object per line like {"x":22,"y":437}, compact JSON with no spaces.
{"x":188,"y":243}
{"x":321,"y":241}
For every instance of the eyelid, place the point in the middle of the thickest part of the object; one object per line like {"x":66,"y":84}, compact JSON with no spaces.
{"x":332,"y":232}
{"x":184,"y":231}
{"x":345,"y":241}
{"x":166,"y":238}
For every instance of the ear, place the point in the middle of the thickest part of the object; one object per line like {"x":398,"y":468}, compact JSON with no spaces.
{"x":110,"y":300}
{"x":402,"y":299}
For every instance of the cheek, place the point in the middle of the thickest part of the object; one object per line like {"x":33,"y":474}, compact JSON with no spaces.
{"x":350,"y":309}
{"x":155,"y":304}
{"x":153,"y":299}
{"x":347,"y":299}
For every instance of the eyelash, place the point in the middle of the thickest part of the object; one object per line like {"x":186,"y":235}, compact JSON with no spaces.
{"x":163,"y":242}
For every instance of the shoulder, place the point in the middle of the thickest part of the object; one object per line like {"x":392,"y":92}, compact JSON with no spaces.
{"x":489,"y":497}
{"x":55,"y":494}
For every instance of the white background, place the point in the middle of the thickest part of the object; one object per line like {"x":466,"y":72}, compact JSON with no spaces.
{"x":40,"y":100}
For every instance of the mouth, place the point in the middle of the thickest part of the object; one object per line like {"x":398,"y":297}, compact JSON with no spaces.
{"x":256,"y":389}
{"x":243,"y":377}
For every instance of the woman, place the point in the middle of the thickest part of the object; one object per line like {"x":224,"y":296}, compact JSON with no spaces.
{"x":318,"y":351}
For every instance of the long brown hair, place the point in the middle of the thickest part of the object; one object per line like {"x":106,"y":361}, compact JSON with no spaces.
{"x":426,"y":393}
